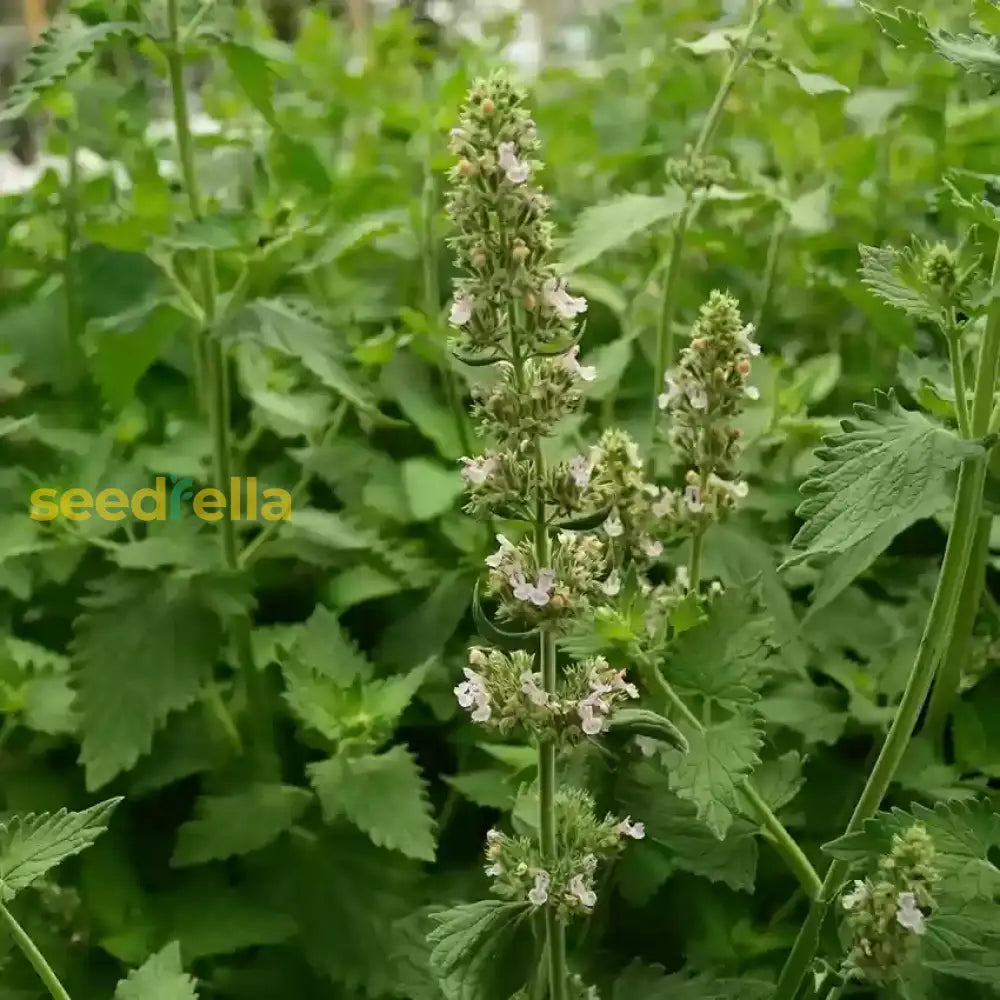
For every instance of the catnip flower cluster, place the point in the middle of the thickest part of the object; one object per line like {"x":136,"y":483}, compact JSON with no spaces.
{"x":703,"y":395}
{"x":568,"y":882}
{"x":886,"y":916}
{"x":504,"y":691}
{"x":694,"y":172}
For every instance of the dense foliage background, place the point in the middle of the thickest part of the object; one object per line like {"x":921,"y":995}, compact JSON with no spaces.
{"x":321,"y":162}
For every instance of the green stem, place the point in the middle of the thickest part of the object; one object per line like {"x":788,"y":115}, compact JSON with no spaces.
{"x":71,"y":237}
{"x":694,"y":562}
{"x":958,"y":381}
{"x":665,"y":326}
{"x":217,"y":376}
{"x":770,"y":270}
{"x":784,"y":843}
{"x":22,"y":939}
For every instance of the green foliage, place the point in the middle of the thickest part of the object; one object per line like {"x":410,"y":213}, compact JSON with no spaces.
{"x":159,"y":978}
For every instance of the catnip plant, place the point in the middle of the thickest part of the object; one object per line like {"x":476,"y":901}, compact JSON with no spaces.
{"x":513,"y":312}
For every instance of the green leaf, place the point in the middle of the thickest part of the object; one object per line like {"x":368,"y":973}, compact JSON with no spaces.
{"x":976,"y":54}
{"x":430,"y":488}
{"x":723,"y":658}
{"x":708,"y":775}
{"x":252,"y":71}
{"x":976,"y":734}
{"x":629,"y":722}
{"x":482,"y":950}
{"x":965,"y":834}
{"x":245,"y":821}
{"x":884,"y":464}
{"x":892,"y":276}
{"x":407,"y":380}
{"x":816,"y":713}
{"x":492,"y":633}
{"x":145,"y":646}
{"x":322,"y":645}
{"x":816,"y":83}
{"x":988,"y":14}
{"x":161,"y":977}
{"x":609,"y":225}
{"x":906,"y":28}
{"x":31,"y":845}
{"x":810,"y":213}
{"x":384,"y":795}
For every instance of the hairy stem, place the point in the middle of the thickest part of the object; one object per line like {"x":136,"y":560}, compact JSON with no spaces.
{"x":784,"y":843}
{"x":949,"y":591}
{"x":668,"y":305}
{"x":28,"y":948}
{"x":218,"y":391}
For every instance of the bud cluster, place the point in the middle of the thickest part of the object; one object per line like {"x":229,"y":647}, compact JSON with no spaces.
{"x":567,"y":882}
{"x":694,"y":172}
{"x":887,"y":915}
{"x":939,"y":268}
{"x":503,"y":691}
{"x":702,"y":398}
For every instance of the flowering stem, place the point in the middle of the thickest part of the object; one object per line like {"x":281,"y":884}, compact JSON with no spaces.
{"x":784,"y":842}
{"x":965,"y":526}
{"x":217,"y":379}
{"x":30,"y":951}
{"x":958,"y":380}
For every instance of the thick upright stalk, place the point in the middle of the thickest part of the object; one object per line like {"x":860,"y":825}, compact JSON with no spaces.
{"x":45,"y":972}
{"x":668,"y":306}
{"x":961,"y":540}
{"x":217,"y":389}
{"x":555,"y":932}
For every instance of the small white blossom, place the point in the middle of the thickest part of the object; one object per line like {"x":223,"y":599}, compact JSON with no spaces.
{"x":570,"y":361}
{"x":494,"y":869}
{"x":613,"y":584}
{"x":697,"y":397}
{"x":746,"y":342}
{"x":529,"y":686}
{"x":516,"y":170}
{"x":737,"y":490}
{"x":590,"y":722}
{"x":613,"y":525}
{"x":692,"y":497}
{"x":672,"y":390}
{"x":483,"y":711}
{"x":590,"y":863}
{"x":620,"y":684}
{"x":751,"y":392}
{"x":540,"y":893}
{"x":578,"y":888}
{"x":682,"y":578}
{"x":539,"y":592}
{"x":461,"y":310}
{"x":556,"y":296}
{"x":505,"y":555}
{"x":493,"y":836}
{"x":665,"y":505}
{"x":908,"y":914}
{"x":581,"y":468}
{"x":478,"y":470}
{"x":651,"y":548}
{"x":856,"y":897}
{"x":472,"y":692}
{"x":626,"y":828}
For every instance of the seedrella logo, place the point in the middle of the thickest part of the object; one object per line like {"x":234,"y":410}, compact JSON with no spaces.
{"x":245,"y":501}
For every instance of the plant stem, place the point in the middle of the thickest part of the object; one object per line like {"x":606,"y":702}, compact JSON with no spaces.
{"x":694,"y":563}
{"x":784,"y":843}
{"x":71,"y":237}
{"x":22,"y":939}
{"x":217,"y":387}
{"x":964,"y":528}
{"x":958,"y":381}
{"x":555,"y":932}
{"x":770,"y":270}
{"x":665,"y":326}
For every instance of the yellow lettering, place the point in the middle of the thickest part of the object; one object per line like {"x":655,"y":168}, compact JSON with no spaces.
{"x":111,"y":504}
{"x":277,"y":505}
{"x":209,"y":504}
{"x":75,"y":505}
{"x":158,"y":494}
{"x":43,"y":505}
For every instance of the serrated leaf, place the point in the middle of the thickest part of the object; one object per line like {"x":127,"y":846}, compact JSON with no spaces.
{"x":884,"y":464}
{"x":974,"y":53}
{"x":906,"y":28}
{"x":611,"y":224}
{"x":144,"y":646}
{"x":719,"y":758}
{"x":245,"y":821}
{"x":322,"y":645}
{"x":482,"y":950}
{"x":890,"y":274}
{"x":31,"y":845}
{"x":816,"y":83}
{"x":964,"y":834}
{"x":161,"y":977}
{"x":384,"y":795}
{"x":722,"y":659}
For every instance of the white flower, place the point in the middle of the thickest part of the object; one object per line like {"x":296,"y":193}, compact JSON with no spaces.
{"x":516,"y":170}
{"x":478,"y":470}
{"x":748,"y":345}
{"x":682,"y":578}
{"x":557,"y":298}
{"x":692,"y":497}
{"x":613,"y":525}
{"x":538,"y":593}
{"x":665,"y":505}
{"x":626,"y":828}
{"x":580,"y":469}
{"x":673,"y":390}
{"x":483,"y":710}
{"x":620,"y":684}
{"x":651,"y":548}
{"x":737,"y":490}
{"x":529,"y":686}
{"x":578,"y":888}
{"x":591,"y":722}
{"x":590,"y":863}
{"x":493,"y":836}
{"x":504,"y":555}
{"x":697,"y":397}
{"x":856,"y":897}
{"x":613,"y":584}
{"x":495,"y":869}
{"x":751,"y":392}
{"x":472,"y":692}
{"x":570,"y":361}
{"x":540,"y":893}
{"x":632,"y":451}
{"x":461,"y":310}
{"x":908,"y":914}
